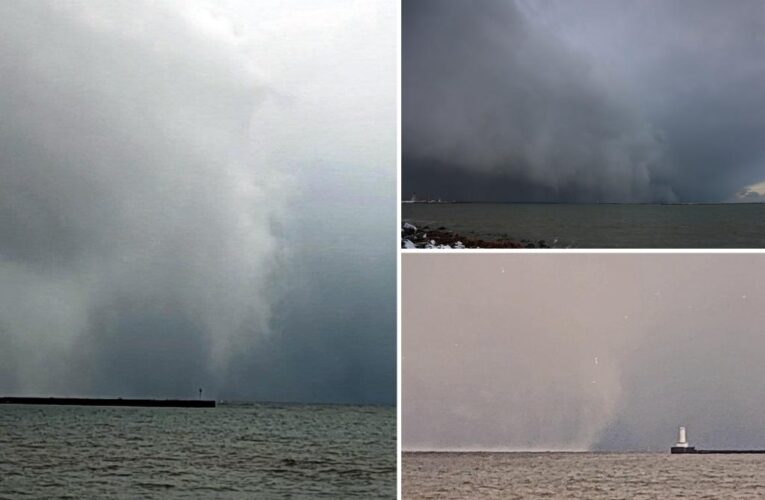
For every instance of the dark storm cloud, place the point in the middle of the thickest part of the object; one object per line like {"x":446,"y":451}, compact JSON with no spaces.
{"x":583,"y":101}
{"x":582,"y":351}
{"x":151,"y":223}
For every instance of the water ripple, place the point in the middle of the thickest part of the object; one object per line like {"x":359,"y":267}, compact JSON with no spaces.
{"x":233,"y":451}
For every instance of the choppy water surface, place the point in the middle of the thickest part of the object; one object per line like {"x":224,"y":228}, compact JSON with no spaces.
{"x":582,"y":475}
{"x":232,"y":451}
{"x":601,"y":225}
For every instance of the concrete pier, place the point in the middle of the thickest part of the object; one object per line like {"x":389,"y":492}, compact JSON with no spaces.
{"x":693,"y":451}
{"x":160,"y":403}
{"x":683,"y":448}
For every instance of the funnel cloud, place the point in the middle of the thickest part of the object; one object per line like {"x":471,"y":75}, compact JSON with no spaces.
{"x":582,"y":352}
{"x":170,"y":216}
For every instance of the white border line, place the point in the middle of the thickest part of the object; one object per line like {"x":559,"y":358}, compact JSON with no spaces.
{"x":484,"y":251}
{"x":511,"y":251}
{"x":399,"y":449}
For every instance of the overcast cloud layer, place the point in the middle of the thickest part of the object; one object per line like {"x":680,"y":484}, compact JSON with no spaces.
{"x":581,"y":352}
{"x":651,"y":101}
{"x":198,"y":193}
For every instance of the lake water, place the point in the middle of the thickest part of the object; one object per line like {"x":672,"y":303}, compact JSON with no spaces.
{"x":232,"y":451}
{"x":582,"y":475}
{"x":601,"y":225}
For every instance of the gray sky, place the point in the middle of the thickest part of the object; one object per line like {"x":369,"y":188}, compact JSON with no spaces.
{"x":198,"y":193}
{"x":584,"y":100}
{"x":582,"y":351}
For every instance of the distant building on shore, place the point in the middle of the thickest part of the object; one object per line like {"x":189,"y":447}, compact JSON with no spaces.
{"x":427,"y":199}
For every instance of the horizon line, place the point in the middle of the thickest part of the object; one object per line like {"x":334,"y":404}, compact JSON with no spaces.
{"x":407,"y":202}
{"x":540,"y":451}
{"x":221,"y":401}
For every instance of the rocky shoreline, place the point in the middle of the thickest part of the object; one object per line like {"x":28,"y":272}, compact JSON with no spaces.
{"x":413,"y":237}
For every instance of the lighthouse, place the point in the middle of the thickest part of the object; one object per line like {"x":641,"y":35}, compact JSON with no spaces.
{"x":682,"y":447}
{"x":682,"y":443}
